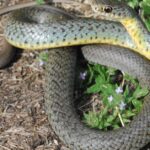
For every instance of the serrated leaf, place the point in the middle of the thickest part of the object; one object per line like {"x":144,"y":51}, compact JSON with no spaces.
{"x":91,"y":119}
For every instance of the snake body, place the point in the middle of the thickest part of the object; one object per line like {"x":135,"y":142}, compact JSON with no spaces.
{"x":23,"y":32}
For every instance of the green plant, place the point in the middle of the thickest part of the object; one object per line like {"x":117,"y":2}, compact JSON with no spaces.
{"x":144,"y":6}
{"x":118,"y":107}
{"x":42,"y":58}
{"x":40,"y":1}
{"x":118,"y":102}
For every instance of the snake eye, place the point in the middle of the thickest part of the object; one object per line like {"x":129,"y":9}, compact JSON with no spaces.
{"x":108,"y":9}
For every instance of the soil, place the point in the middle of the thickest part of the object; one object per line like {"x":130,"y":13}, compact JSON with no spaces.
{"x":23,"y":121}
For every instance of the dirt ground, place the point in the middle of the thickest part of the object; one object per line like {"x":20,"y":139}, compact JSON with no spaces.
{"x":23,"y":121}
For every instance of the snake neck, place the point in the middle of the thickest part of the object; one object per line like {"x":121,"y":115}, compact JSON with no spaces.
{"x":138,"y":33}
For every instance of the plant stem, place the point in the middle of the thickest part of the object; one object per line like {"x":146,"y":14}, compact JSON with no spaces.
{"x":119,"y":115}
{"x":123,"y":81}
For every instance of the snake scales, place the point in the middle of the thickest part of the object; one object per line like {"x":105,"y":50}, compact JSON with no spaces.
{"x":53,"y":32}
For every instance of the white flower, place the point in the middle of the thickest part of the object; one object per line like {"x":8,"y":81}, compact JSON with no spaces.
{"x":83,"y":75}
{"x":119,"y":90}
{"x":122,"y":105}
{"x":110,"y":98}
{"x":41,"y":63}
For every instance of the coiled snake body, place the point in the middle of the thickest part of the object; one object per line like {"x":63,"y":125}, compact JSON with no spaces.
{"x":24,"y":32}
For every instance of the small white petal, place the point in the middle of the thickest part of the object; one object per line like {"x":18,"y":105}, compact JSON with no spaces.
{"x":83,"y":75}
{"x":119,"y":90}
{"x":41,"y":63}
{"x":110,"y":98}
{"x":122,"y":105}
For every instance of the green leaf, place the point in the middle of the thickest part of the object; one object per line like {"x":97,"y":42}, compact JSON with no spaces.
{"x":145,"y":5}
{"x":126,"y":92}
{"x":91,"y":74}
{"x":101,"y":70}
{"x":111,"y":71}
{"x":116,"y":126}
{"x":91,"y":119}
{"x":107,"y":124}
{"x":110,"y":119}
{"x":126,"y":120}
{"x":137,"y":104}
{"x":99,"y":80}
{"x":130,"y":79}
{"x":93,"y":89}
{"x":133,"y":3}
{"x":140,"y":92}
{"x":43,"y":56}
{"x":40,"y":1}
{"x":147,"y":22}
{"x":103,"y":113}
{"x":101,"y":126}
{"x":128,"y":114}
{"x":108,"y":89}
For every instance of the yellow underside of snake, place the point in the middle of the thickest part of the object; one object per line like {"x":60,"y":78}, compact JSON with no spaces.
{"x":25,"y":31}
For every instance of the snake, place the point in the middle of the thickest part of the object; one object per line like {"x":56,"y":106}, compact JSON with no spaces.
{"x":113,"y":41}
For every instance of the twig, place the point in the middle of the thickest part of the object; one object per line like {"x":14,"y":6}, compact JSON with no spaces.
{"x":119,"y":115}
{"x":5,"y":147}
{"x":123,"y":81}
{"x":85,"y":105}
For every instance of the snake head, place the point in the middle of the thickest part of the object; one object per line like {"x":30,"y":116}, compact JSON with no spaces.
{"x":114,"y":11}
